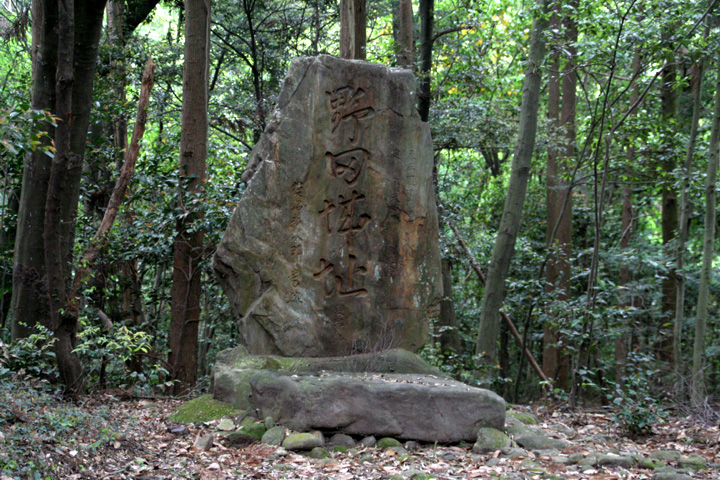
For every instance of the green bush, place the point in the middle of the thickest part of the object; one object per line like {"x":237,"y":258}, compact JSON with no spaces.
{"x":637,"y":407}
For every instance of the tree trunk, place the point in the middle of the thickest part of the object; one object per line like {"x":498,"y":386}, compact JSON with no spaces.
{"x":353,"y":22}
{"x":27,"y":308}
{"x":403,"y":33}
{"x":559,"y":190}
{"x":701,"y":316}
{"x":255,"y":68}
{"x":63,"y":326}
{"x":559,"y":197}
{"x":186,"y":289}
{"x":427,"y":19}
{"x":449,"y":337}
{"x":669,"y":216}
{"x":48,"y":206}
{"x":554,"y":272}
{"x":622,"y":341}
{"x":115,"y":33}
{"x":494,"y":294}
{"x":685,"y":207}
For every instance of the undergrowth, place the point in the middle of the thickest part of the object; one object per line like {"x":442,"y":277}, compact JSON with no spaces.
{"x":43,"y":436}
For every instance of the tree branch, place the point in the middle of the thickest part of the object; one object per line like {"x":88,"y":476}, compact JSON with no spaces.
{"x":505,"y":317}
{"x":126,"y":173}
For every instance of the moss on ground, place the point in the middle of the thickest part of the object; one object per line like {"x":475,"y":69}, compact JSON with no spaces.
{"x":203,"y":409}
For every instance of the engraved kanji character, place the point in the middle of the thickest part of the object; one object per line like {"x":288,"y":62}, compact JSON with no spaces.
{"x":347,"y":165}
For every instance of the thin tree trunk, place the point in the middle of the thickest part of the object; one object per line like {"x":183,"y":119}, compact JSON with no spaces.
{"x":494,"y":294}
{"x":559,"y":198}
{"x":186,"y":289}
{"x":116,"y":36}
{"x":697,"y":79}
{"x":427,"y":20}
{"x":403,"y":33}
{"x":554,"y":270}
{"x":701,"y":316}
{"x":449,"y":337}
{"x":669,"y":215}
{"x":353,"y":23}
{"x":99,"y":241}
{"x":249,"y":6}
{"x":132,"y":304}
{"x":622,"y":342}
{"x":508,"y":321}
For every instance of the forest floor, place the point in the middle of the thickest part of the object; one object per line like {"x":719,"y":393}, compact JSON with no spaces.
{"x":107,"y":436}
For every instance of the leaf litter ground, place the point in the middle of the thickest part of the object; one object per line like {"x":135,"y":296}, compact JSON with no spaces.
{"x":108,"y":437}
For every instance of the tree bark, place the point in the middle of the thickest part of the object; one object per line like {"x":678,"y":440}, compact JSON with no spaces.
{"x":494,"y":294}
{"x":623,"y":341}
{"x":185,"y":310}
{"x":559,"y":198}
{"x":697,"y":79}
{"x":508,"y":321}
{"x":353,"y":23}
{"x":403,"y":34}
{"x":701,"y":316}
{"x":669,"y":215}
{"x":50,"y":191}
{"x":427,"y":20}
{"x":27,"y":308}
{"x":63,"y":326}
{"x":449,"y":337}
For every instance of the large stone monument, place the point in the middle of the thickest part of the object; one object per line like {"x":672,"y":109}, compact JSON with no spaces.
{"x":333,"y":247}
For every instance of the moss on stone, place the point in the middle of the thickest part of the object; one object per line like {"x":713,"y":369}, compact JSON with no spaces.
{"x":524,"y":417}
{"x":303,"y":441}
{"x":255,"y":430}
{"x":203,"y":409}
{"x":247,"y":421}
{"x":694,"y":462}
{"x":274,"y":436}
{"x":388,"y":442}
{"x":422,"y":476}
{"x":489,"y":440}
{"x":666,"y":455}
{"x":650,"y":463}
{"x":319,"y":453}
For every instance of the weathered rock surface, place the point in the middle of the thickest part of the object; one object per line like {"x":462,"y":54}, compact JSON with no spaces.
{"x":204,"y":442}
{"x":536,"y":441}
{"x":234,"y":368}
{"x":274,"y":436}
{"x":303,"y":441}
{"x":333,"y":247}
{"x":490,"y":440}
{"x":402,"y":406}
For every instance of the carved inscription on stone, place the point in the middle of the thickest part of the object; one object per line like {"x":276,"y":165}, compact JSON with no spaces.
{"x":349,"y":104}
{"x":345,"y":215}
